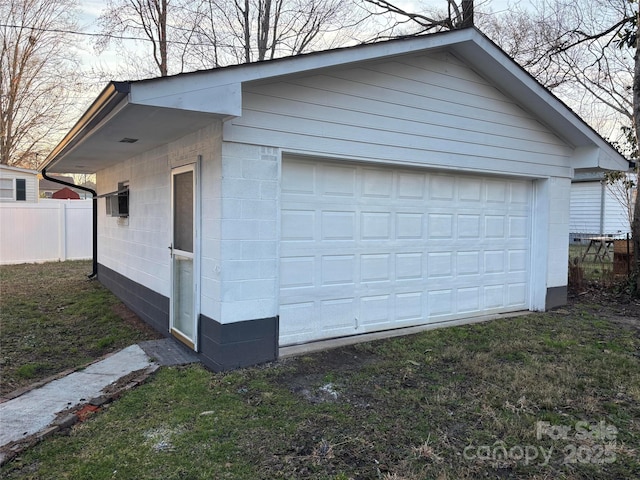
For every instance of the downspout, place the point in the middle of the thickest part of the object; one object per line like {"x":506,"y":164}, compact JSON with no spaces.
{"x":94,"y":197}
{"x":603,"y":199}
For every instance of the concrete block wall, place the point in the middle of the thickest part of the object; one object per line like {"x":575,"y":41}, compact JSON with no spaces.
{"x":249,"y":232}
{"x":136,"y":247}
{"x":209,"y":143}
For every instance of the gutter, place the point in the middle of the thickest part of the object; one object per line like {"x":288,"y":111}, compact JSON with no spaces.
{"x":94,"y":196}
{"x":109,"y":98}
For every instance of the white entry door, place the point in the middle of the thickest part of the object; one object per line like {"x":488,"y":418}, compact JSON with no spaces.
{"x":367,"y":248}
{"x":183,"y":303}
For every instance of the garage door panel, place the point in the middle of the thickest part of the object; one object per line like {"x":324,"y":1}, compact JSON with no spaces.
{"x":439,"y":265}
{"x":337,"y":181}
{"x":297,"y":320}
{"x":469,"y":226}
{"x":495,"y":191}
{"x":442,"y":187}
{"x":298,"y":225}
{"x":409,"y":307}
{"x":298,"y":178}
{"x":376,"y":310}
{"x":494,"y":296}
{"x":377,"y":183}
{"x":337,"y":316}
{"x":440,"y":302}
{"x":518,"y":260}
{"x":366,"y":248}
{"x":297,"y":272}
{"x":517,"y":294}
{"x":409,"y":226}
{"x":375,"y":267}
{"x":337,"y":270}
{"x":469,"y":190}
{"x":410,"y":186}
{"x":338,"y":225}
{"x":518,"y":226}
{"x":468,"y":300}
{"x":409,"y":266}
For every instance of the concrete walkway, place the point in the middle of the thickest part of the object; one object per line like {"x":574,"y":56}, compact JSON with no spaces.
{"x":34,"y":411}
{"x":28,"y":417}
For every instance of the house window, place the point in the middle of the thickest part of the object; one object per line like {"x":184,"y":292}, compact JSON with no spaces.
{"x":123,"y":199}
{"x":21,"y":189}
{"x":6,"y":189}
{"x":118,"y":201}
{"x":13,"y":189}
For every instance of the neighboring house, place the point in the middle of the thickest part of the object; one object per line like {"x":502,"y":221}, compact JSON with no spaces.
{"x":411,"y":182}
{"x":18,"y":184}
{"x":65,"y":193}
{"x":599,"y":209}
{"x":49,"y":187}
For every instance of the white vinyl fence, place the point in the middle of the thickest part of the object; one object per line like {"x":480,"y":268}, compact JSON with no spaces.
{"x":49,"y":230}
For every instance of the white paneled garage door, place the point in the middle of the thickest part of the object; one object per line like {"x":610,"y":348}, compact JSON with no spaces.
{"x":366,"y":248}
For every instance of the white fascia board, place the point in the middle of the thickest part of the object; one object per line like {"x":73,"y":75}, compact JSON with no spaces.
{"x":220,"y":90}
{"x":608,"y":161}
{"x":308,"y":62}
{"x":189,"y":93}
{"x":585,"y":158}
{"x":596,"y":157}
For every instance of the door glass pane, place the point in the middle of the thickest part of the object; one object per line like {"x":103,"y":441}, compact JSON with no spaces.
{"x":183,"y":295}
{"x":183,"y":211}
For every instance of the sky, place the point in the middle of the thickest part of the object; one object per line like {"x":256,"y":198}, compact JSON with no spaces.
{"x":109,"y":61}
{"x":89,"y":11}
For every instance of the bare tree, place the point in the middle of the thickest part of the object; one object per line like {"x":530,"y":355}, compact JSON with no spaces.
{"x":605,"y":33}
{"x":36,"y":74}
{"x":593,"y":45}
{"x":256,"y":30}
{"x":403,"y":22}
{"x":160,"y":25}
{"x":186,"y":35}
{"x":592,"y":78}
{"x":622,"y":187}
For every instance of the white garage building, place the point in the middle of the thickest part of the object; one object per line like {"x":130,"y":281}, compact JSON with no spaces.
{"x":404,"y":183}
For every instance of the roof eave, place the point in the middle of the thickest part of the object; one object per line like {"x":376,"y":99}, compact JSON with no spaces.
{"x":112,"y":96}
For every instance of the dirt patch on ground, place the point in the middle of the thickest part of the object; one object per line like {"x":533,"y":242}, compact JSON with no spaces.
{"x":618,"y":308}
{"x":132,"y":319}
{"x":327,"y":387}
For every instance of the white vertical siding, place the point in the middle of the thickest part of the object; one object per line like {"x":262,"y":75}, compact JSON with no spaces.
{"x":585,"y":207}
{"x":598,"y":209}
{"x":430,"y":110}
{"x":617,"y":202}
{"x":31,"y":183}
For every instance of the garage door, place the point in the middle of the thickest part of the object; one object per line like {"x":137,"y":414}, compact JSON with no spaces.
{"x":368,"y":248}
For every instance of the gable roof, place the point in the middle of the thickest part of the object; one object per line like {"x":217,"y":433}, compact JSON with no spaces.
{"x":128,"y":118}
{"x":45,"y":184}
{"x":66,"y":193}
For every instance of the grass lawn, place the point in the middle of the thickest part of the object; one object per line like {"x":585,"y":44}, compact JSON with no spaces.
{"x":542,"y":396}
{"x":53,"y":318}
